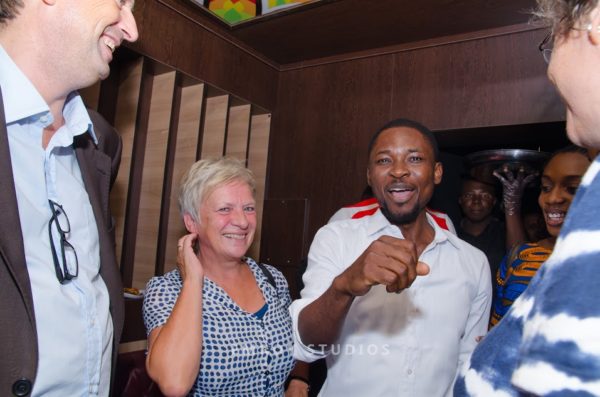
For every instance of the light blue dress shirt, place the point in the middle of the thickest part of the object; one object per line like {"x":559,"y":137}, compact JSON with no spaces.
{"x":74,"y":325}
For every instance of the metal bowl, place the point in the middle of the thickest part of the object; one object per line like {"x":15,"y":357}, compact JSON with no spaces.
{"x":530,"y":157}
{"x":482,"y":164}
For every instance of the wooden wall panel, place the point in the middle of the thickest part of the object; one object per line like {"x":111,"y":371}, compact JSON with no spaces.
{"x":283,"y":246}
{"x":238,"y":130}
{"x":258,"y":149}
{"x":126,"y":113}
{"x":215,"y":126}
{"x":154,"y":165}
{"x":320,"y":132}
{"x":187,"y":140}
{"x":170,"y":35}
{"x":487,"y":82}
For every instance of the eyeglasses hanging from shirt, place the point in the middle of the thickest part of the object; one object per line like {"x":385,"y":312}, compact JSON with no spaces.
{"x":66,"y":264}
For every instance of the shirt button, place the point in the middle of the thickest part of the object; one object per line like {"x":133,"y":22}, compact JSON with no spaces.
{"x":21,"y":387}
{"x":409,"y":371}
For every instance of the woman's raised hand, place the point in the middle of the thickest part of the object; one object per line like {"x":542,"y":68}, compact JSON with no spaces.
{"x":188,"y":263}
{"x":513,"y":185}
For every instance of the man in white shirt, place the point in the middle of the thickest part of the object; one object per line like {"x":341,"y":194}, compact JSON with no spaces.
{"x":61,"y":299}
{"x":380,"y":337}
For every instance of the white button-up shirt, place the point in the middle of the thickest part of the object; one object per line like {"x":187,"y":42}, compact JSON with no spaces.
{"x":74,"y":326}
{"x":407,"y":344}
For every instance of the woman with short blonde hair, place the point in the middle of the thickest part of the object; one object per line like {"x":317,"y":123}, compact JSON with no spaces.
{"x":219,"y":324}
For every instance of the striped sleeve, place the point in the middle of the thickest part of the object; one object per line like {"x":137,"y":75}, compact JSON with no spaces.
{"x":560,"y":351}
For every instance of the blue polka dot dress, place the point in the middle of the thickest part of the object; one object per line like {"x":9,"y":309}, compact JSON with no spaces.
{"x":243,"y":354}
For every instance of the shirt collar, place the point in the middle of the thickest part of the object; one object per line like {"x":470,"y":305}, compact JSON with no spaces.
{"x":25,"y":101}
{"x":77,"y":117}
{"x":441,"y":234}
{"x":377,"y":222}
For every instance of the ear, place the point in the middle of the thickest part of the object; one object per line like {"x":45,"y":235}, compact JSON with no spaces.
{"x":369,"y":177}
{"x":438,"y":171}
{"x":190,"y":223}
{"x":594,"y":31}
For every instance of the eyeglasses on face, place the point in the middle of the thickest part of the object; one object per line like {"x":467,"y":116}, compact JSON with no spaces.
{"x":66,"y":264}
{"x":547,"y":45}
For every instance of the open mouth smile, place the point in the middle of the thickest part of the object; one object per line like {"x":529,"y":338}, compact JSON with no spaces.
{"x":554,"y":217}
{"x":400,"y":192}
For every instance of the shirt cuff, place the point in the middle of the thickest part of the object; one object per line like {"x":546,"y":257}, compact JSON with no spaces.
{"x":303,"y":352}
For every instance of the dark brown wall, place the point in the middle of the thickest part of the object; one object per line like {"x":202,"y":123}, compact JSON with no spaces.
{"x":487,"y":82}
{"x":180,"y":35}
{"x":326,"y":114}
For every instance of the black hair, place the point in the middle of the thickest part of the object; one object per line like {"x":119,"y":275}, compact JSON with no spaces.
{"x":464,"y":177}
{"x":568,"y":149}
{"x":411,"y":124}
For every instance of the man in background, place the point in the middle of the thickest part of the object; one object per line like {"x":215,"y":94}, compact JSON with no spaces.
{"x":478,"y":226}
{"x":60,"y":292}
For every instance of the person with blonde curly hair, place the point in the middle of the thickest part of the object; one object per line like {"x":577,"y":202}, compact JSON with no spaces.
{"x":548,"y":341}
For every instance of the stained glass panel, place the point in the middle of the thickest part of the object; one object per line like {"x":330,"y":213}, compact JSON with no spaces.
{"x":233,"y":11}
{"x":236,"y":11}
{"x":274,"y":5}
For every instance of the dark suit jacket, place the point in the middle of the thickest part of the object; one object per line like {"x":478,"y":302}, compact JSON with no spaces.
{"x":18,"y":340}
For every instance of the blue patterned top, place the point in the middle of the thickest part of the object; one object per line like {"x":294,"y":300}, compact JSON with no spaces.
{"x":242,"y":354}
{"x":513,"y":278}
{"x":549,"y":341}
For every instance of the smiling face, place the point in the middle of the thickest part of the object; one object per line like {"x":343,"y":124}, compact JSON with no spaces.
{"x":86,"y":33}
{"x":561,"y":177}
{"x":402,"y":172}
{"x":227,"y":222}
{"x":477,"y":200}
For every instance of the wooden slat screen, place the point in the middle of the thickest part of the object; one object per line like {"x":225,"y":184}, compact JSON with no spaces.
{"x":167,"y":121}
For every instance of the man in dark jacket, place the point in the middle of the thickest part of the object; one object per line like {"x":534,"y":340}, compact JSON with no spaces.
{"x":60,"y":293}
